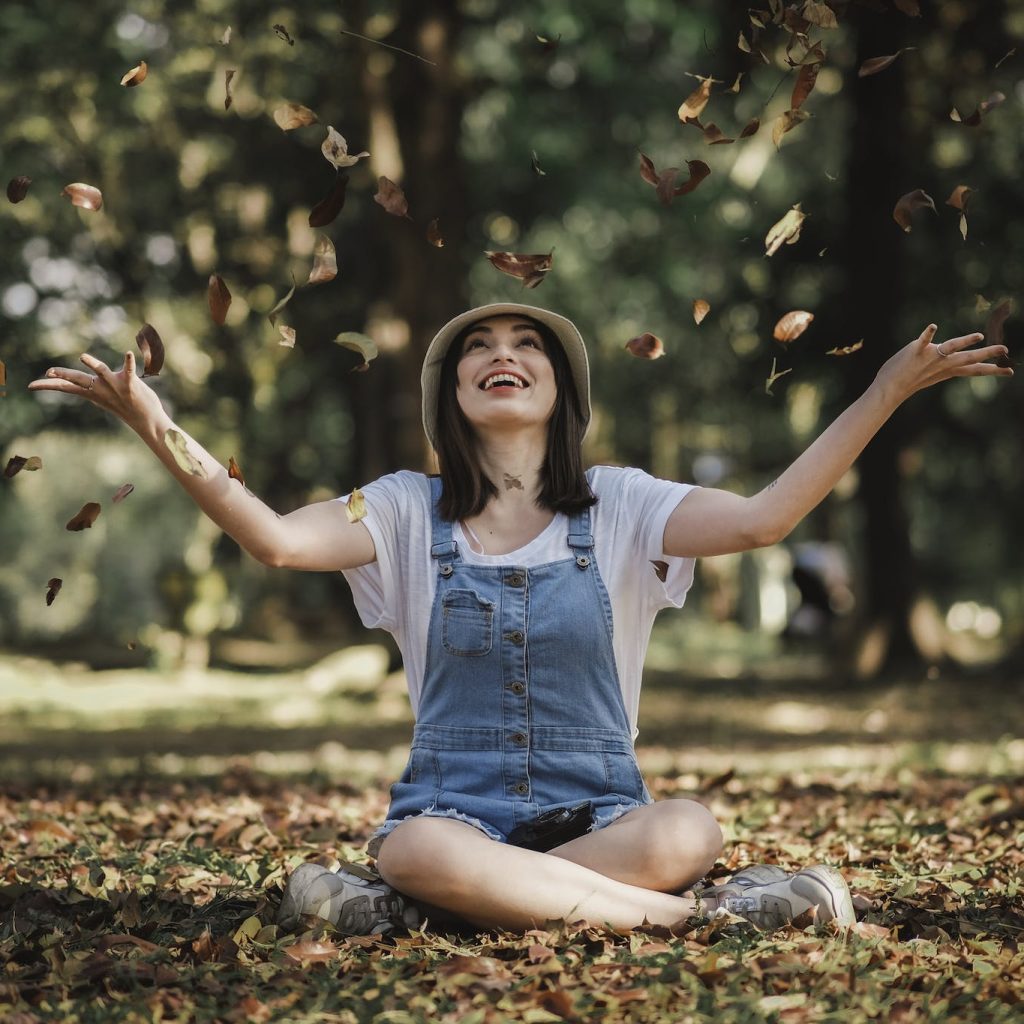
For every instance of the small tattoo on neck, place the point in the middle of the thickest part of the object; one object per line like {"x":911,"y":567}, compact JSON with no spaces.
{"x":513,"y":483}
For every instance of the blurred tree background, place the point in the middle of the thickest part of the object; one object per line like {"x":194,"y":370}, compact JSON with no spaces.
{"x":517,"y":126}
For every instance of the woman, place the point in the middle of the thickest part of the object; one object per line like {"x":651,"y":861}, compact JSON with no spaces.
{"x":502,"y":581}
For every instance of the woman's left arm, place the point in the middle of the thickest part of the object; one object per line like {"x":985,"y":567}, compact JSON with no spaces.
{"x":715,"y":522}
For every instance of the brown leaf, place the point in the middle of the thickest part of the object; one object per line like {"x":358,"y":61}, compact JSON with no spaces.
{"x":88,"y":197}
{"x":660,"y":569}
{"x":17,"y":188}
{"x":786,"y":230}
{"x":313,"y":950}
{"x":786,"y":122}
{"x":219,"y":298}
{"x":750,"y":128}
{"x":909,"y":7}
{"x":107,"y":942}
{"x":282,"y":33}
{"x":694,"y":104}
{"x":701,"y":308}
{"x":820,"y":14}
{"x":330,"y":206}
{"x":959,"y":196}
{"x":773,"y":377}
{"x":434,"y":236}
{"x":84,"y":517}
{"x":994,"y":328}
{"x":234,"y":472}
{"x":335,"y":150}
{"x":529,"y":268}
{"x":355,"y":507}
{"x":228,"y":75}
{"x":325,"y":261}
{"x":792,"y":325}
{"x":805,"y":79}
{"x":122,"y":492}
{"x":152,"y":350}
{"x":548,"y":45}
{"x":875,"y":64}
{"x":178,"y":446}
{"x":974,"y":119}
{"x":391,"y":197}
{"x":136,"y":76}
{"x":287,"y":335}
{"x":698,"y":172}
{"x":558,"y":1002}
{"x":360,"y":343}
{"x":53,"y":589}
{"x":907,"y":204}
{"x":846,"y":350}
{"x":280,"y":304}
{"x":15,"y":464}
{"x":54,"y":829}
{"x":294,"y":115}
{"x":646,"y":346}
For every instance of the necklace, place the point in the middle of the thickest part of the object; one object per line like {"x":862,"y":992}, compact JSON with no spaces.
{"x":468,"y":530}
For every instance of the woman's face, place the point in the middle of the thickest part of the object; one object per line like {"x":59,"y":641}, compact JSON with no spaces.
{"x":505,"y":378}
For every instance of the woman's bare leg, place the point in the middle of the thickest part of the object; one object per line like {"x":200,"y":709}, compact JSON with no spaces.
{"x":453,"y":865}
{"x":665,"y":846}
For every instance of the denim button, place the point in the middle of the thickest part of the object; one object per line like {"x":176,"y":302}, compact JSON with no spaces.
{"x":515,"y":580}
{"x":583,"y":561}
{"x":518,"y":687}
{"x":521,"y":787}
{"x":447,"y":570}
{"x":519,"y":738}
{"x":516,"y":637}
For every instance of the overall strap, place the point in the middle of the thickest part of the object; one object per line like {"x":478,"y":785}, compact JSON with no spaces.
{"x":442,"y":544}
{"x":581,"y":540}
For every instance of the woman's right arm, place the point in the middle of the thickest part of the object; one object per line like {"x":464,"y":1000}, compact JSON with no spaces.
{"x":316,"y":537}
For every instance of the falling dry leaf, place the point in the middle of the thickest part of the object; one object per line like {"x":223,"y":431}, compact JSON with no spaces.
{"x":820,"y":14}
{"x":136,"y":76}
{"x":981,"y":304}
{"x":660,"y":569}
{"x":282,"y":33}
{"x":701,"y":308}
{"x":994,"y":328}
{"x":228,"y":75}
{"x":294,"y":115}
{"x":187,"y":462}
{"x":287,"y":335}
{"x":234,"y":472}
{"x":88,"y":197}
{"x":906,"y":205}
{"x":122,"y":492}
{"x":355,"y":507}
{"x":335,"y":150}
{"x":325,"y":261}
{"x":535,"y":164}
{"x":360,"y":343}
{"x":694,"y":104}
{"x":225,"y":36}
{"x":548,"y":45}
{"x":909,"y":7}
{"x":750,"y":128}
{"x":391,"y":197}
{"x":974,"y":119}
{"x":84,"y":517}
{"x":17,"y":188}
{"x":698,"y":172}
{"x":875,"y":64}
{"x":330,"y":206}
{"x":735,"y":87}
{"x":805,"y":79}
{"x":53,"y":589}
{"x":219,"y":298}
{"x":664,"y":181}
{"x":529,"y":268}
{"x":646,"y":346}
{"x":846,"y":350}
{"x":17,"y":463}
{"x":786,"y":122}
{"x":773,"y":377}
{"x":792,"y":325}
{"x":434,"y":236}
{"x":281,"y":303}
{"x":152,"y":350}
{"x":786,"y":230}
{"x":958,"y":200}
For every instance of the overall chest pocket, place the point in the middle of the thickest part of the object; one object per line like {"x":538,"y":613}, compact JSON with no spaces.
{"x":467,"y":621}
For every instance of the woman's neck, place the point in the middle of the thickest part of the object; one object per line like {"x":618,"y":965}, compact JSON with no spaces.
{"x":513,"y":464}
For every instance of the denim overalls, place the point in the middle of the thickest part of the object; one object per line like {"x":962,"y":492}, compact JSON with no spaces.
{"x":521,"y":709}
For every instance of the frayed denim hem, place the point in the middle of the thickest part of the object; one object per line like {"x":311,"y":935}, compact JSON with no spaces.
{"x":374,"y":843}
{"x":604,"y":816}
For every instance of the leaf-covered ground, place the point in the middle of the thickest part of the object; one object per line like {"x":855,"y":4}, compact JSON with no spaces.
{"x":138,"y":894}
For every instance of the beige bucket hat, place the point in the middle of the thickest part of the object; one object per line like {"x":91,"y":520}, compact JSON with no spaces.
{"x":563,"y":329}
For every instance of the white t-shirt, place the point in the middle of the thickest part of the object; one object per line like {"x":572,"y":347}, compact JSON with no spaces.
{"x":396,"y":592}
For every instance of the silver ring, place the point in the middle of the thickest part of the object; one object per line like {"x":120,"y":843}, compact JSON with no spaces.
{"x":938,"y":348}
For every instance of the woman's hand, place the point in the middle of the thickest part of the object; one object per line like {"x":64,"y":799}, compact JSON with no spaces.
{"x":922,"y":363}
{"x":118,"y":391}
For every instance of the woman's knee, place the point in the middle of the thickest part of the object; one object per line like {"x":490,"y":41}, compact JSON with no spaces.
{"x":419,"y":847}
{"x":687,"y":836}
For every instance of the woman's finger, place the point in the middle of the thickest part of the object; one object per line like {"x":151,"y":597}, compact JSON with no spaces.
{"x":98,"y":367}
{"x":925,"y":337}
{"x":84,"y":380}
{"x":952,"y":345}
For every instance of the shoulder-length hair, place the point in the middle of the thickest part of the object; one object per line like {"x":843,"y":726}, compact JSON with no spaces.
{"x":465,"y":487}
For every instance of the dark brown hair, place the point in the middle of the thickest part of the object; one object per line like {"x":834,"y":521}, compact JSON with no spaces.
{"x":465,"y":487}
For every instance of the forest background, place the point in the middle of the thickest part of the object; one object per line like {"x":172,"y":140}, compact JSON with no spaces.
{"x":519,"y":128}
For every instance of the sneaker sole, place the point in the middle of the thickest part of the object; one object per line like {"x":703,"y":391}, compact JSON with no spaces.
{"x":824,"y":886}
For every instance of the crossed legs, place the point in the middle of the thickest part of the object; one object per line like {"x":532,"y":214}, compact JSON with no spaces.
{"x":619,"y":876}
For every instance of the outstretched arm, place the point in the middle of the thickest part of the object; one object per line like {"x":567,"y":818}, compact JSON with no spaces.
{"x":715,"y":522}
{"x":317,"y":537}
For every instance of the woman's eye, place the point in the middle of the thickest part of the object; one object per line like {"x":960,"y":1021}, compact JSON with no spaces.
{"x":530,"y":341}
{"x":475,"y":343}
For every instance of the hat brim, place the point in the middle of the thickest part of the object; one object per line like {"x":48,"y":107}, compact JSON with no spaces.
{"x":564,"y":330}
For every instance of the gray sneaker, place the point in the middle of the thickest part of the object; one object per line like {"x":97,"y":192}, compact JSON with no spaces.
{"x":770,"y":901}
{"x":353,"y":904}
